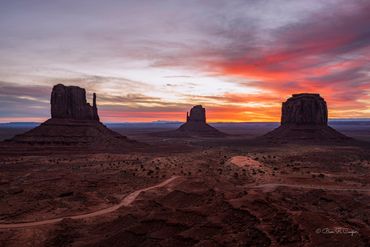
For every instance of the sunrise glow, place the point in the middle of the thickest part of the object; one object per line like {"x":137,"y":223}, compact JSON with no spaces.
{"x":154,"y":62}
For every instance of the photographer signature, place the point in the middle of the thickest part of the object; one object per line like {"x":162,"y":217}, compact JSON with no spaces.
{"x":336,"y":230}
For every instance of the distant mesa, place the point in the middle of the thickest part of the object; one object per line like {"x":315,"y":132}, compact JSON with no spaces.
{"x":304,"y":117}
{"x":196,"y":123}
{"x":195,"y":126}
{"x":73,"y":122}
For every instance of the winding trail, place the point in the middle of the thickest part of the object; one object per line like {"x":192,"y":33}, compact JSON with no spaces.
{"x":126,"y":201}
{"x":273,"y":186}
{"x":130,"y":198}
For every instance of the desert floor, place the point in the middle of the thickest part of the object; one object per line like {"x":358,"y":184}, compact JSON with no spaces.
{"x":188,"y":192}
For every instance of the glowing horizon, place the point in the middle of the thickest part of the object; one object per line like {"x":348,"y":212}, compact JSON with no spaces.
{"x":153,"y":61}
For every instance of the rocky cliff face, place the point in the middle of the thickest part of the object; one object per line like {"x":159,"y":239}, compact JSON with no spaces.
{"x":304,"y":109}
{"x":70,"y":103}
{"x":304,"y":118}
{"x":196,"y":124}
{"x":73,"y":123}
{"x":197,"y":114}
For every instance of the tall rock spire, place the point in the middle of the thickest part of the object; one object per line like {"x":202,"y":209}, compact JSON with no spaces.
{"x":94,"y":100}
{"x":95,"y":108}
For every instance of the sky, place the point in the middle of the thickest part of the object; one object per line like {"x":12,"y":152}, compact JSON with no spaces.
{"x":151,"y":60}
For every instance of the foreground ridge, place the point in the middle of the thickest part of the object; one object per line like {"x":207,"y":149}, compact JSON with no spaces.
{"x":126,"y":201}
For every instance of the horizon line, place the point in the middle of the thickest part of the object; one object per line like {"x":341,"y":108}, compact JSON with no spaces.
{"x":178,"y":122}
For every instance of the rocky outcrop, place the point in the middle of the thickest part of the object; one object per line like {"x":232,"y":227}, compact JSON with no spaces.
{"x":73,"y":122}
{"x":304,"y":118}
{"x":196,"y":124}
{"x":197,"y":114}
{"x":304,"y":109}
{"x":70,"y":103}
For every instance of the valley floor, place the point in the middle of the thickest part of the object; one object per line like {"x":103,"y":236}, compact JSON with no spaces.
{"x":186,"y":192}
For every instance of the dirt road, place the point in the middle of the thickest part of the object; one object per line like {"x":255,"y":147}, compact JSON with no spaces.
{"x":126,"y":201}
{"x":273,"y":186}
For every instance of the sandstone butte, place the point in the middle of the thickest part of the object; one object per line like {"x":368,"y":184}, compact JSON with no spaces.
{"x":304,"y":117}
{"x":73,"y":122}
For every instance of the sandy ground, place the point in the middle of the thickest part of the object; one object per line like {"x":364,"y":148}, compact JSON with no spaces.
{"x":186,"y":192}
{"x":126,"y":201}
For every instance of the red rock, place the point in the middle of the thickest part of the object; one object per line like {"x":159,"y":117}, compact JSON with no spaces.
{"x":304,"y":118}
{"x":197,"y":114}
{"x":196,"y":124}
{"x":70,"y":103}
{"x":303,"y":109}
{"x":73,"y":122}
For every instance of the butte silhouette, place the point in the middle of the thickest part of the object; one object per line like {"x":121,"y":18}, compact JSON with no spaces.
{"x":73,"y":122}
{"x":304,"y":117}
{"x":196,"y":123}
{"x":195,"y":126}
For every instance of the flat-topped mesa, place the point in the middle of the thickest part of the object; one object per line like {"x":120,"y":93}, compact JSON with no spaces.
{"x":305,"y":109}
{"x":197,"y":114}
{"x":304,"y":118}
{"x":69,"y":102}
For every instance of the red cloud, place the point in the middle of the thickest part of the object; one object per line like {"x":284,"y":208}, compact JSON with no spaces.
{"x":327,"y":54}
